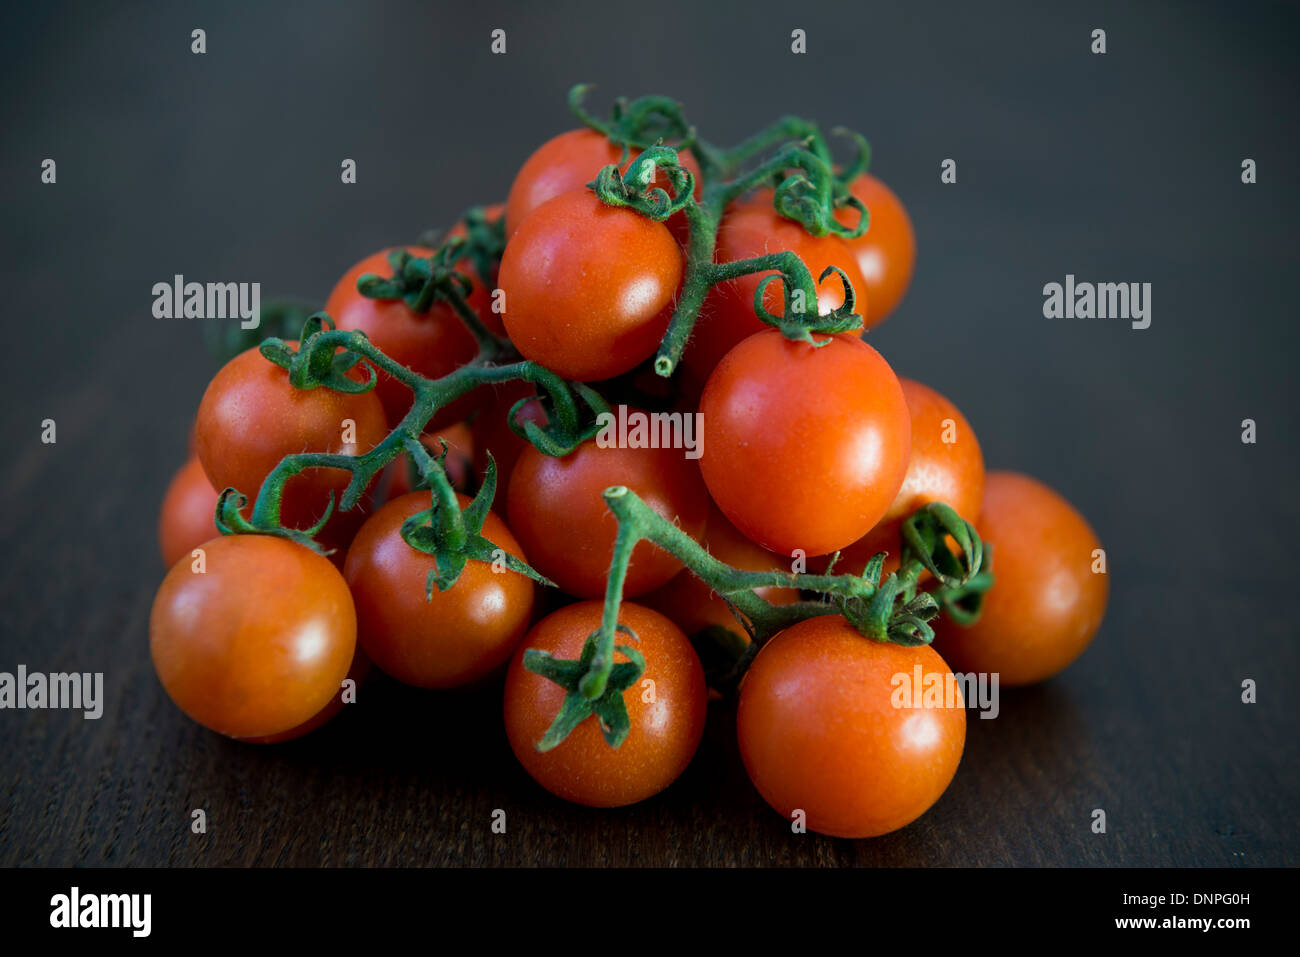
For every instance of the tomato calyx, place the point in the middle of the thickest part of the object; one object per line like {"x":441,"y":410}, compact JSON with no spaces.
{"x":565,"y":428}
{"x":453,"y":536}
{"x":230,"y":520}
{"x":420,"y":281}
{"x":606,"y":704}
{"x":483,"y":243}
{"x":636,"y":188}
{"x":636,"y":123}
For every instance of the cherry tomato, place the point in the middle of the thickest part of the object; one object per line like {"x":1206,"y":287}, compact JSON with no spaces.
{"x":459,"y":463}
{"x":459,"y":636}
{"x":694,"y":606}
{"x":186,"y":519}
{"x":666,"y":709}
{"x":492,"y":433}
{"x":886,"y":252}
{"x":434,"y":344}
{"x":805,"y":446}
{"x":946,"y":466}
{"x":1046,"y":603}
{"x":258,"y":641}
{"x":822,"y":729}
{"x":750,"y":228}
{"x":557,"y":510}
{"x":589,"y":288}
{"x":572,"y":160}
{"x":251,"y":417}
{"x":357,"y":673}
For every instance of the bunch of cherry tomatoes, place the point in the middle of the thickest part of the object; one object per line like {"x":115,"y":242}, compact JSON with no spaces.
{"x":814,"y":453}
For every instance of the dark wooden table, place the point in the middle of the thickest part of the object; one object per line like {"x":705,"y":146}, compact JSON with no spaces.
{"x":1123,"y":167}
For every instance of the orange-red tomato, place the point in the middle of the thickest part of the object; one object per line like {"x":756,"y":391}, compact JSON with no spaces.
{"x":805,"y":446}
{"x":1046,"y":603}
{"x":461,"y":634}
{"x":572,"y":160}
{"x":557,"y":510}
{"x":357,"y":673}
{"x":589,"y":288}
{"x":186,"y":519}
{"x":946,"y":465}
{"x":434,"y":344}
{"x":666,"y":708}
{"x":753,"y":228}
{"x":257,"y":642}
{"x":826,"y":726}
{"x":886,"y":252}
{"x":694,"y":606}
{"x":251,"y":417}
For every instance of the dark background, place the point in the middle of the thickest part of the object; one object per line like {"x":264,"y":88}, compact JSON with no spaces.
{"x":1122,"y":167}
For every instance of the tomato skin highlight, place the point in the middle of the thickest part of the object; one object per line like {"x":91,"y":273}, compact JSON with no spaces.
{"x":1046,"y":603}
{"x":358,"y":672}
{"x":557,"y":509}
{"x":805,"y":447}
{"x":818,"y":730}
{"x":750,"y":228}
{"x":570,"y":161}
{"x":886,"y":252}
{"x":259,"y":642}
{"x":187,"y":517}
{"x":589,"y":288}
{"x":434,"y":344}
{"x":458,"y":637}
{"x":251,"y":417}
{"x":664,"y":732}
{"x":937,"y":471}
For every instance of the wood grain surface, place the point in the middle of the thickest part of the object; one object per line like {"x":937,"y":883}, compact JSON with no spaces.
{"x":1117,"y":168}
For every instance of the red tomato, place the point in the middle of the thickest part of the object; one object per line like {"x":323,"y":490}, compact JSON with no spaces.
{"x":357,"y":673}
{"x":434,"y":344}
{"x":805,"y":447}
{"x":258,"y":641}
{"x":886,"y":252}
{"x":823,"y":729}
{"x":694,"y":606}
{"x":251,"y":418}
{"x":666,"y":708}
{"x":753,"y":228}
{"x":492,"y":433}
{"x":1046,"y":603}
{"x":459,"y":463}
{"x":946,"y":466}
{"x":459,"y":636}
{"x":186,"y":520}
{"x":557,"y":510}
{"x":589,"y":288}
{"x":572,"y":160}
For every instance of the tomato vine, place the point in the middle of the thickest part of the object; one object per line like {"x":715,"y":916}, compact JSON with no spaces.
{"x":791,"y":155}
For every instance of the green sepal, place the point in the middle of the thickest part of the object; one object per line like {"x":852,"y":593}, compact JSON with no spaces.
{"x":609,"y":709}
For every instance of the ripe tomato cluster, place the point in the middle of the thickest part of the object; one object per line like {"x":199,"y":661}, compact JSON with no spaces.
{"x":394,"y":489}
